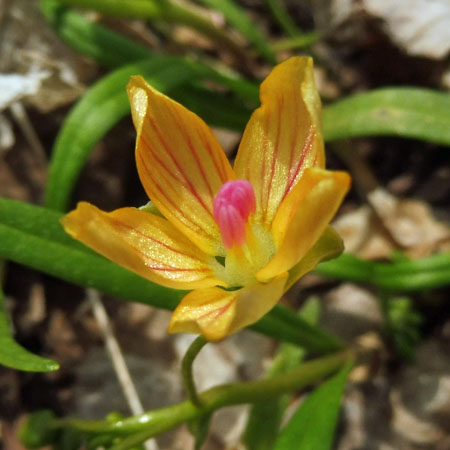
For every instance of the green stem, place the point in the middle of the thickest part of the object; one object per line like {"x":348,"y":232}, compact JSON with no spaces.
{"x":186,"y":368}
{"x":161,"y":10}
{"x":152,"y":423}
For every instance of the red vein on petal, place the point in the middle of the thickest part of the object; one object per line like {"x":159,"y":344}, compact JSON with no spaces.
{"x":174,"y":207}
{"x":152,"y":238}
{"x":177,"y":269}
{"x":162,"y":268}
{"x":263,"y":186}
{"x":179,"y":168}
{"x":167,"y":268}
{"x":219,"y":311}
{"x":306,"y":150}
{"x":294,"y":138}
{"x":175,"y":114}
{"x":162,"y":191}
{"x":213,"y":155}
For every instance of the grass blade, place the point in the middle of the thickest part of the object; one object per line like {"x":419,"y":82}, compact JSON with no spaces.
{"x":406,"y":112}
{"x":265,"y":417}
{"x":408,"y":276}
{"x":238,"y":18}
{"x":14,"y":355}
{"x":108,"y":48}
{"x":313,"y":425}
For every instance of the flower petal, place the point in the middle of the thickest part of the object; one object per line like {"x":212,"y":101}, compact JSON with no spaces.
{"x":329,"y":245}
{"x":216,"y":313}
{"x":143,"y":243}
{"x":303,"y":216}
{"x":283,"y":136}
{"x":180,"y":163}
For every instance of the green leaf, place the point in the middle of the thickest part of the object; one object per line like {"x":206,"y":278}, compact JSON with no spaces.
{"x":14,"y":355}
{"x":408,"y":276}
{"x":113,"y":50}
{"x":103,"y":45}
{"x":32,"y":236}
{"x":162,"y":11}
{"x":402,"y":324}
{"x":406,"y":112}
{"x":265,"y":416}
{"x":313,"y":425}
{"x":239,"y":19}
{"x":38,"y":431}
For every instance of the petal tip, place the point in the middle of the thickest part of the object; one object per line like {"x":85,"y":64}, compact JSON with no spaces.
{"x":73,"y":221}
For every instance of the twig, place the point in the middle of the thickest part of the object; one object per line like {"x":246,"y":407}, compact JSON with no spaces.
{"x":20,"y":115}
{"x":117,"y":359}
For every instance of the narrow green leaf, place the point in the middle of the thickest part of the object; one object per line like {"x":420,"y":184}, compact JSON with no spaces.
{"x":14,"y":355}
{"x":103,"y":45}
{"x":239,"y":19}
{"x":265,"y":417}
{"x":32,"y":236}
{"x":113,"y":50}
{"x":164,"y":11}
{"x":38,"y":221}
{"x":313,"y":425}
{"x":406,"y":112}
{"x":283,"y":18}
{"x":408,"y":276}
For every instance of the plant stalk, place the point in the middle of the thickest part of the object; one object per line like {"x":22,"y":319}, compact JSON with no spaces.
{"x":186,"y":369}
{"x":145,"y":426}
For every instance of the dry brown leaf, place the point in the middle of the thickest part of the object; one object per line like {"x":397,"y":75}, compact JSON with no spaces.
{"x":363,"y":235}
{"x":410,"y":223}
{"x":391,"y":223}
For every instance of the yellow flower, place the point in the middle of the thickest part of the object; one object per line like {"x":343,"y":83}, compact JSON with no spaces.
{"x":237,"y":238}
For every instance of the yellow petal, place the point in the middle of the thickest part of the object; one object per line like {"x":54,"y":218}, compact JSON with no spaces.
{"x":328,"y":246}
{"x":180,"y":163}
{"x":303,"y":216}
{"x":216,"y":313}
{"x":143,"y":243}
{"x":283,"y":136}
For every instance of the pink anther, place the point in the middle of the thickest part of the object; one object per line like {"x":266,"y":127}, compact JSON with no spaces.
{"x":233,"y":204}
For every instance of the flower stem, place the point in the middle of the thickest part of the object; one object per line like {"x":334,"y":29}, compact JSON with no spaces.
{"x":186,"y":369}
{"x":145,"y":426}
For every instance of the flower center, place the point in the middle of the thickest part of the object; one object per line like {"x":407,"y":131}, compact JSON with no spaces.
{"x":233,"y":205}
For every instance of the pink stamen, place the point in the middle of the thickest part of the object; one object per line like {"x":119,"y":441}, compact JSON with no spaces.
{"x":233,"y":204}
